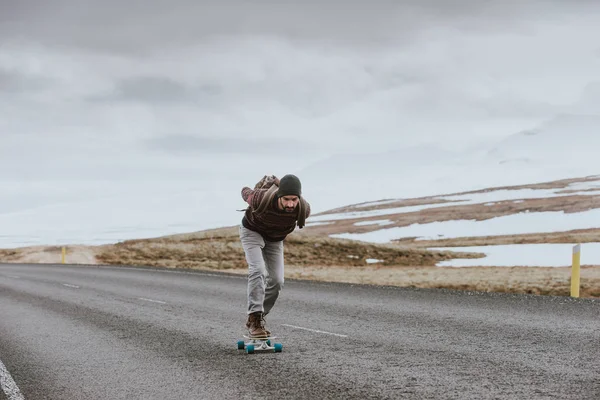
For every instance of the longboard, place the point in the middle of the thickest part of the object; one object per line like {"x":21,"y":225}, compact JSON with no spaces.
{"x":259,"y":337}
{"x":259,"y":344}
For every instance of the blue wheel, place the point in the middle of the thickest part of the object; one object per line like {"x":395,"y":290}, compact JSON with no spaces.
{"x":278,"y":347}
{"x":250,"y":349}
{"x":268,"y":342}
{"x":240,"y":345}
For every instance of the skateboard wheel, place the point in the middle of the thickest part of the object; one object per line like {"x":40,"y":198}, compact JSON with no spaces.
{"x":240,"y":344}
{"x":278,"y":347}
{"x":268,"y":342}
{"x":250,"y":349}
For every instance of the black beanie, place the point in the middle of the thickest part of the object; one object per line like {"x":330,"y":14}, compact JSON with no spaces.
{"x":289,"y":185}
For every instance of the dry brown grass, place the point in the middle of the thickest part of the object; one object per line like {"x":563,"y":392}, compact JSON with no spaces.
{"x":76,"y":254}
{"x":11,"y":255}
{"x":221,"y":250}
{"x":523,"y":280}
{"x":324,"y":259}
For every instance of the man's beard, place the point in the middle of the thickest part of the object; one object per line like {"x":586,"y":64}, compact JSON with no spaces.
{"x":290,"y":209}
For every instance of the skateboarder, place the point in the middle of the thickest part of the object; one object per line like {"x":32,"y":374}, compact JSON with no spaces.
{"x":274,"y":209}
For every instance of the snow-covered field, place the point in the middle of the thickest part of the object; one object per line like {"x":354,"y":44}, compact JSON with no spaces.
{"x":521,"y":223}
{"x":531,"y":255}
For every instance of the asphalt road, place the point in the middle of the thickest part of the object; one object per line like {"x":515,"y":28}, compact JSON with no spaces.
{"x":139,"y":333}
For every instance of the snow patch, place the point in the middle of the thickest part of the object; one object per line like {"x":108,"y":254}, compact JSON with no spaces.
{"x":374,"y":203}
{"x":380,"y":222}
{"x":529,"y":255}
{"x":313,"y":223}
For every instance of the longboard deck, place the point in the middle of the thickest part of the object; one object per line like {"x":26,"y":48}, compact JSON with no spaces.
{"x":259,"y":337}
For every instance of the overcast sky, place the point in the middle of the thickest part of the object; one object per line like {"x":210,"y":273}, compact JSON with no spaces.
{"x":183,"y":89}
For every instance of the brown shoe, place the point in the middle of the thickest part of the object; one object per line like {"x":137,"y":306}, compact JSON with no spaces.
{"x":255,"y":325}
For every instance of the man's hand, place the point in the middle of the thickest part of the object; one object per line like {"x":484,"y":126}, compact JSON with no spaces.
{"x":247,"y":194}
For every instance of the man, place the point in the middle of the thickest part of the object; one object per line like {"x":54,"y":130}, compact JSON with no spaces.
{"x":275,"y":207}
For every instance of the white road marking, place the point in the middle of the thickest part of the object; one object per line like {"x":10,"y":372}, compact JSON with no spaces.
{"x":315,"y":330}
{"x":8,"y":384}
{"x":14,"y":276}
{"x":71,"y":286}
{"x":153,"y":301}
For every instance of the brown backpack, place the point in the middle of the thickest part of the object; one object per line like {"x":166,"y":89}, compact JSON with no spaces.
{"x":266,"y":182}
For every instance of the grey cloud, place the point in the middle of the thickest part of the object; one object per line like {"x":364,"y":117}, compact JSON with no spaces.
{"x":15,"y":82}
{"x":144,"y":25}
{"x":157,"y":90}
{"x":311,"y":92}
{"x":195,"y":144}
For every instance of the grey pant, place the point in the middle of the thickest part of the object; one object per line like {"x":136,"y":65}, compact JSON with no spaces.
{"x":265,"y":270}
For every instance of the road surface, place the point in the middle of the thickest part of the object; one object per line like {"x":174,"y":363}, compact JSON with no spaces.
{"x":88,"y":332}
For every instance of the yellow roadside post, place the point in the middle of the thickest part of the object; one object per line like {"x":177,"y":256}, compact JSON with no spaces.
{"x":575,"y":271}
{"x":64,"y":253}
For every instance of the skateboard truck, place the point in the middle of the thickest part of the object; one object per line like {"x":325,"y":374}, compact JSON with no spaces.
{"x":260,"y":344}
